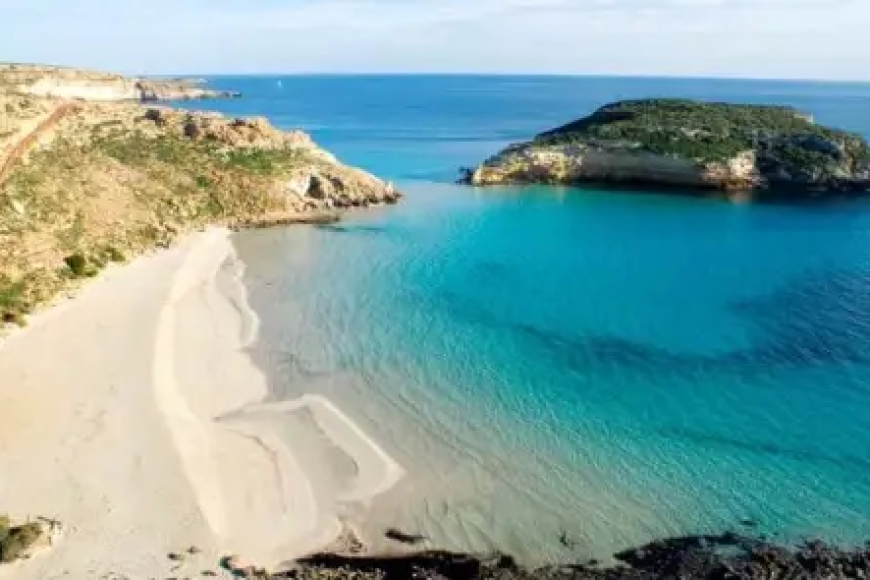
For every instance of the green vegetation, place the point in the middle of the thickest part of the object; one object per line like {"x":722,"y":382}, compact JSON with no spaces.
{"x":15,"y":540}
{"x":259,"y":161}
{"x":105,"y":182}
{"x":12,"y":303}
{"x":140,"y":150}
{"x":704,"y":131}
{"x":80,"y":266}
{"x":77,"y":206}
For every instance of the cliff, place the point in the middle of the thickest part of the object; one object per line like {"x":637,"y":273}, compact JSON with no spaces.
{"x":70,"y":83}
{"x":687,"y":144}
{"x":86,"y":184}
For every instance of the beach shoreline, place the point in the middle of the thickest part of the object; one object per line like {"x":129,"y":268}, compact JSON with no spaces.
{"x":135,"y":435}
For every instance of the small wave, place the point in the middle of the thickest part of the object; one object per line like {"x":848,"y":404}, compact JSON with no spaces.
{"x":352,"y":228}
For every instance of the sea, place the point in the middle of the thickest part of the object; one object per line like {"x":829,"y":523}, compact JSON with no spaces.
{"x":564,"y":373}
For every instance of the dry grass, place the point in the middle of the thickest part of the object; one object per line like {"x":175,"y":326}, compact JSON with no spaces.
{"x":116,"y":185}
{"x":15,"y":540}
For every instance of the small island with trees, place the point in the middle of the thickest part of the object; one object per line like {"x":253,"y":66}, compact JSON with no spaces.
{"x":763,"y":149}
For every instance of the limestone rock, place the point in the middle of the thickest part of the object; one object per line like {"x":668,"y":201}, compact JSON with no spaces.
{"x":687,"y":144}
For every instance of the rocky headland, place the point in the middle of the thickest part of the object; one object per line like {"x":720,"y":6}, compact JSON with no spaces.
{"x":672,"y":143}
{"x":72,"y":83}
{"x":86,"y":183}
{"x":83,"y":184}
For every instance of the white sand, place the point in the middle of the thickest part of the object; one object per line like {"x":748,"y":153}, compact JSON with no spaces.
{"x":130,"y":414}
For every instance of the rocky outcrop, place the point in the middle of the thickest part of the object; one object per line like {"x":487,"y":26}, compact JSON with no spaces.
{"x":578,"y":164}
{"x":319,"y":182}
{"x":178,"y":91}
{"x":724,"y":557}
{"x":65,"y":83}
{"x":688,"y":145}
{"x":240,"y":133}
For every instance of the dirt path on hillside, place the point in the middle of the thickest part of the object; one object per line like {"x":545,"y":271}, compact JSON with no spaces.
{"x":28,"y":140}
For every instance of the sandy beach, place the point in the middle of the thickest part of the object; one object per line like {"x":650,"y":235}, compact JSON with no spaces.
{"x":132,"y":415}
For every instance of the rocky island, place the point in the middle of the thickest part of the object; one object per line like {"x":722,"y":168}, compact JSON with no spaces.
{"x":674,"y":143}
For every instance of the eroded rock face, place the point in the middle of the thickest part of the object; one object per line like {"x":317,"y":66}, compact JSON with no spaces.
{"x":688,"y":145}
{"x":72,"y":83}
{"x":178,"y":91}
{"x":577,"y":164}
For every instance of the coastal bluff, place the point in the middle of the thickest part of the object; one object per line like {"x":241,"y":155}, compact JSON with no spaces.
{"x":84,"y":184}
{"x":676,"y":143}
{"x":73,"y":83}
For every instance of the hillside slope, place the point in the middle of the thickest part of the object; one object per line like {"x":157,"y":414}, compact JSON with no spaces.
{"x":85,"y":184}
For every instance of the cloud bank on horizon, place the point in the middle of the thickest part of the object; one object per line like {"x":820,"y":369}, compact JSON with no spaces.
{"x":823,"y":39}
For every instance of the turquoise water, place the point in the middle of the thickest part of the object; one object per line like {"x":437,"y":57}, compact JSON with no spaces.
{"x":611,"y":366}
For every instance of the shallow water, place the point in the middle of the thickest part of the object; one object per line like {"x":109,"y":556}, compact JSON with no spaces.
{"x":550,"y":364}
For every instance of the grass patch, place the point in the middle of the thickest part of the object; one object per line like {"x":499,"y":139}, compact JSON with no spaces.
{"x":81,"y":267}
{"x":16,"y":540}
{"x":257,"y":161}
{"x":13,"y":306}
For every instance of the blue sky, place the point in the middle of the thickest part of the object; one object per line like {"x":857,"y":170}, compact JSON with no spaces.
{"x":825,"y":39}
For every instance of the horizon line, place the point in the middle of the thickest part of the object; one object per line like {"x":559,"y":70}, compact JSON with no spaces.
{"x":435,"y":73}
{"x":513,"y":74}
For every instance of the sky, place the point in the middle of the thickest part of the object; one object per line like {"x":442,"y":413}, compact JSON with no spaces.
{"x":802,"y":39}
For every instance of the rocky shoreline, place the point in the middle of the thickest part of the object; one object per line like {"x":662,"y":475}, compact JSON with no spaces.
{"x":727,"y":556}
{"x":709,"y":557}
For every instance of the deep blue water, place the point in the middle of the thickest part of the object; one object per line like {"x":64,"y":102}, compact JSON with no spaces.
{"x":618,"y":366}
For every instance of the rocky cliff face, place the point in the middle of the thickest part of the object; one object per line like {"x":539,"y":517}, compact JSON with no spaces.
{"x":688,"y":145}
{"x":63,"y":83}
{"x":577,"y":164}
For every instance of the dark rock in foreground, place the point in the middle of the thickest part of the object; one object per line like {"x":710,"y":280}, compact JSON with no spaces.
{"x":725,"y":557}
{"x":687,"y":144}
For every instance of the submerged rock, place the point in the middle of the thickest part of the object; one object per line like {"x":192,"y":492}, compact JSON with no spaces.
{"x":688,"y":144}
{"x":403,"y":538}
